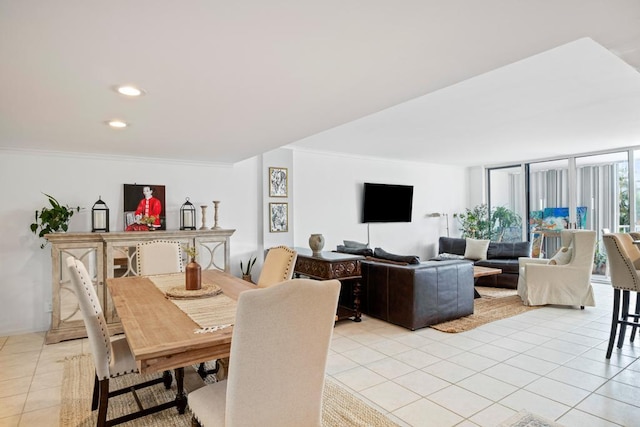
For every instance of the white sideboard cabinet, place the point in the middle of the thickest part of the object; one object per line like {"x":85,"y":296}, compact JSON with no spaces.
{"x":107,"y":255}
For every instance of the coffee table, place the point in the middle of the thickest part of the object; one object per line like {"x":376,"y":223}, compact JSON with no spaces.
{"x":480,"y":272}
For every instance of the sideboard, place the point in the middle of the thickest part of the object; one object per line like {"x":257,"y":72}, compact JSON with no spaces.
{"x":107,"y":255}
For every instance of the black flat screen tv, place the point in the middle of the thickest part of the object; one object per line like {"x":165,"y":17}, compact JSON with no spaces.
{"x":387,"y":203}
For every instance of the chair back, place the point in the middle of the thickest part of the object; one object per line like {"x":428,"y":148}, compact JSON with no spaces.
{"x":278,"y":266}
{"x":584,"y":246}
{"x":279,"y":353}
{"x":93,"y":316}
{"x":159,"y":257}
{"x":623,"y":257}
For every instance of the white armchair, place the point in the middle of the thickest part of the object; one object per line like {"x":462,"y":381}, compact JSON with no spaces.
{"x":541,"y":283}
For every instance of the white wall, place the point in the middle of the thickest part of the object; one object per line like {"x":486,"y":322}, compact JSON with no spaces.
{"x":327,"y":191}
{"x":25,"y":269}
{"x":328,"y":194}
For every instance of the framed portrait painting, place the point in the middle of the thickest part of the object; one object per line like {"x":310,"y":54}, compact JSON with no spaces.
{"x":144,"y":207}
{"x":278,"y":217}
{"x":278,"y":185}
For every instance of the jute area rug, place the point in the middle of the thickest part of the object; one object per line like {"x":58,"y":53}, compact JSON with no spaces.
{"x":340,"y":408}
{"x":495,"y":304}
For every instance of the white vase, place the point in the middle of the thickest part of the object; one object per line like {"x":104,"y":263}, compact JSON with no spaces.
{"x":316,"y":243}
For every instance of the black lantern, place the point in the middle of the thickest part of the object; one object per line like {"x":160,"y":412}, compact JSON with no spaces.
{"x":187,"y":216}
{"x":99,"y":217}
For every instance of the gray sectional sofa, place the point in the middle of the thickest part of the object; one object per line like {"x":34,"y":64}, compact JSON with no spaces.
{"x":501,"y":255}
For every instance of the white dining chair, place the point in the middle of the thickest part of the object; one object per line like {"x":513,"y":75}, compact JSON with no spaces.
{"x":112,"y":357}
{"x":278,"y":266}
{"x":159,"y":257}
{"x":279,"y":350}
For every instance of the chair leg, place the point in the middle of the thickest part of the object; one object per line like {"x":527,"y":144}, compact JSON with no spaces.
{"x":104,"y":402}
{"x":614,"y":321}
{"x":96,"y":393}
{"x":635,"y":319}
{"x":194,"y":422}
{"x":623,"y":317}
{"x":203,"y":371}
{"x":167,"y":378}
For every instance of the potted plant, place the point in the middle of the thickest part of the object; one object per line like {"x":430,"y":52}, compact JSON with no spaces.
{"x":475,"y":222}
{"x":479,"y":223}
{"x":54,"y":219}
{"x":246,"y":271}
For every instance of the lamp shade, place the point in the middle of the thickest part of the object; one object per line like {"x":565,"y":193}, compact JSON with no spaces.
{"x":100,"y":217}
{"x":187,"y":216}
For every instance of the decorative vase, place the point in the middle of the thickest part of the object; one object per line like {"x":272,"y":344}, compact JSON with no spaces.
{"x":247,"y":277}
{"x":316,"y":243}
{"x":193,"y":277}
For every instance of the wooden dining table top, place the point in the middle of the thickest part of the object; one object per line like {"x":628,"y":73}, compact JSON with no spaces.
{"x":161,"y":336}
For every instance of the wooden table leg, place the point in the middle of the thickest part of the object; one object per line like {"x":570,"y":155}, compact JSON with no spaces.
{"x":356,"y":301}
{"x":181,"y":397}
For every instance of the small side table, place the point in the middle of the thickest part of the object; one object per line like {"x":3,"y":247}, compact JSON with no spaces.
{"x":334,"y":265}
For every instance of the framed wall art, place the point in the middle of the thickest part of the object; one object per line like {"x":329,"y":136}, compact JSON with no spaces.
{"x":278,"y":186}
{"x":278,"y":217}
{"x":144,"y":207}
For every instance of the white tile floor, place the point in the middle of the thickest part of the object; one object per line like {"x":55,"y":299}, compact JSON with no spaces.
{"x":550,"y":361}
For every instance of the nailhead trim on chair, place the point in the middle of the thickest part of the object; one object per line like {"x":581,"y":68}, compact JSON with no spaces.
{"x":632,"y":270}
{"x":138,"y":263}
{"x":105,"y":335}
{"x":290,"y":265}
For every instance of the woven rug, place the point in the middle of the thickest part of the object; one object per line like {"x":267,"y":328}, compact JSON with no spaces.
{"x":527,"y":419}
{"x":340,"y":408}
{"x":495,"y":304}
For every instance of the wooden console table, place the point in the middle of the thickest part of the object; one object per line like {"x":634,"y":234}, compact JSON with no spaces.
{"x":334,"y":265}
{"x":108,"y":255}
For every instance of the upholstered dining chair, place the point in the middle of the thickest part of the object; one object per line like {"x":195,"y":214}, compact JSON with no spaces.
{"x":112,"y":357}
{"x":543,"y":282}
{"x":278,"y":266}
{"x":159,"y":257}
{"x":623,"y":257}
{"x":287,"y":328}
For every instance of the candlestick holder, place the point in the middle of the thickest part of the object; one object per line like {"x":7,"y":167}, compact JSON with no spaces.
{"x":204,"y":217}
{"x":215,"y":215}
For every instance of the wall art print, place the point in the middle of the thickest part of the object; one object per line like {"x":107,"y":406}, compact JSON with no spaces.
{"x":278,"y":217}
{"x":144,"y":207}
{"x":278,"y":185}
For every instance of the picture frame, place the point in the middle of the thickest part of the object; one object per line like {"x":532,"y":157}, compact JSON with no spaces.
{"x":138,"y":212}
{"x":278,"y":217}
{"x":278,"y":182}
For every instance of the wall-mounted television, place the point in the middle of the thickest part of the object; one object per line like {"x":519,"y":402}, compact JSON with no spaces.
{"x":387,"y":203}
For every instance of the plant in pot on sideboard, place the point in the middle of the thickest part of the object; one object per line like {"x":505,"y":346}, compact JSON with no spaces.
{"x":246,"y":271}
{"x":52,"y":220}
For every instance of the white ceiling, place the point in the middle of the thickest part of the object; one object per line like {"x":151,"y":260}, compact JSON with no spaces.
{"x":455,"y":82}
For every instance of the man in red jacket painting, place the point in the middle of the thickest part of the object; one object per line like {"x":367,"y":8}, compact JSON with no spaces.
{"x":149,"y":207}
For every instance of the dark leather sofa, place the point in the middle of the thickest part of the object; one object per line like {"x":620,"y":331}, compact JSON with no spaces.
{"x":501,"y":255}
{"x":417,"y":295}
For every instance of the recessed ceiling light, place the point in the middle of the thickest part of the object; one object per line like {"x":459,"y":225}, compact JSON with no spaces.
{"x":129,"y":90}
{"x":118,"y":124}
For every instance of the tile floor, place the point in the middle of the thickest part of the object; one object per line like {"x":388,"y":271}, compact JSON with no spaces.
{"x":549,"y":361}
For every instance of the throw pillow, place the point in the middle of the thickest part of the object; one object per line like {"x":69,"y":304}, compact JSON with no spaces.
{"x":445,"y":255}
{"x":409,"y":259}
{"x":354,"y":251}
{"x":355,"y":245}
{"x":562,"y":257}
{"x":476,"y":249}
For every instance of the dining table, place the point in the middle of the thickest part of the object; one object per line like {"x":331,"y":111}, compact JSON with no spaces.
{"x":161,"y":331}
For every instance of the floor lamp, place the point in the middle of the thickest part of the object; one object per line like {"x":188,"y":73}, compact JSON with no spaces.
{"x":439,"y":215}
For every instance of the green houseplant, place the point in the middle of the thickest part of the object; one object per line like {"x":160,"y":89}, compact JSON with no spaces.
{"x":53,"y":219}
{"x":480,"y":223}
